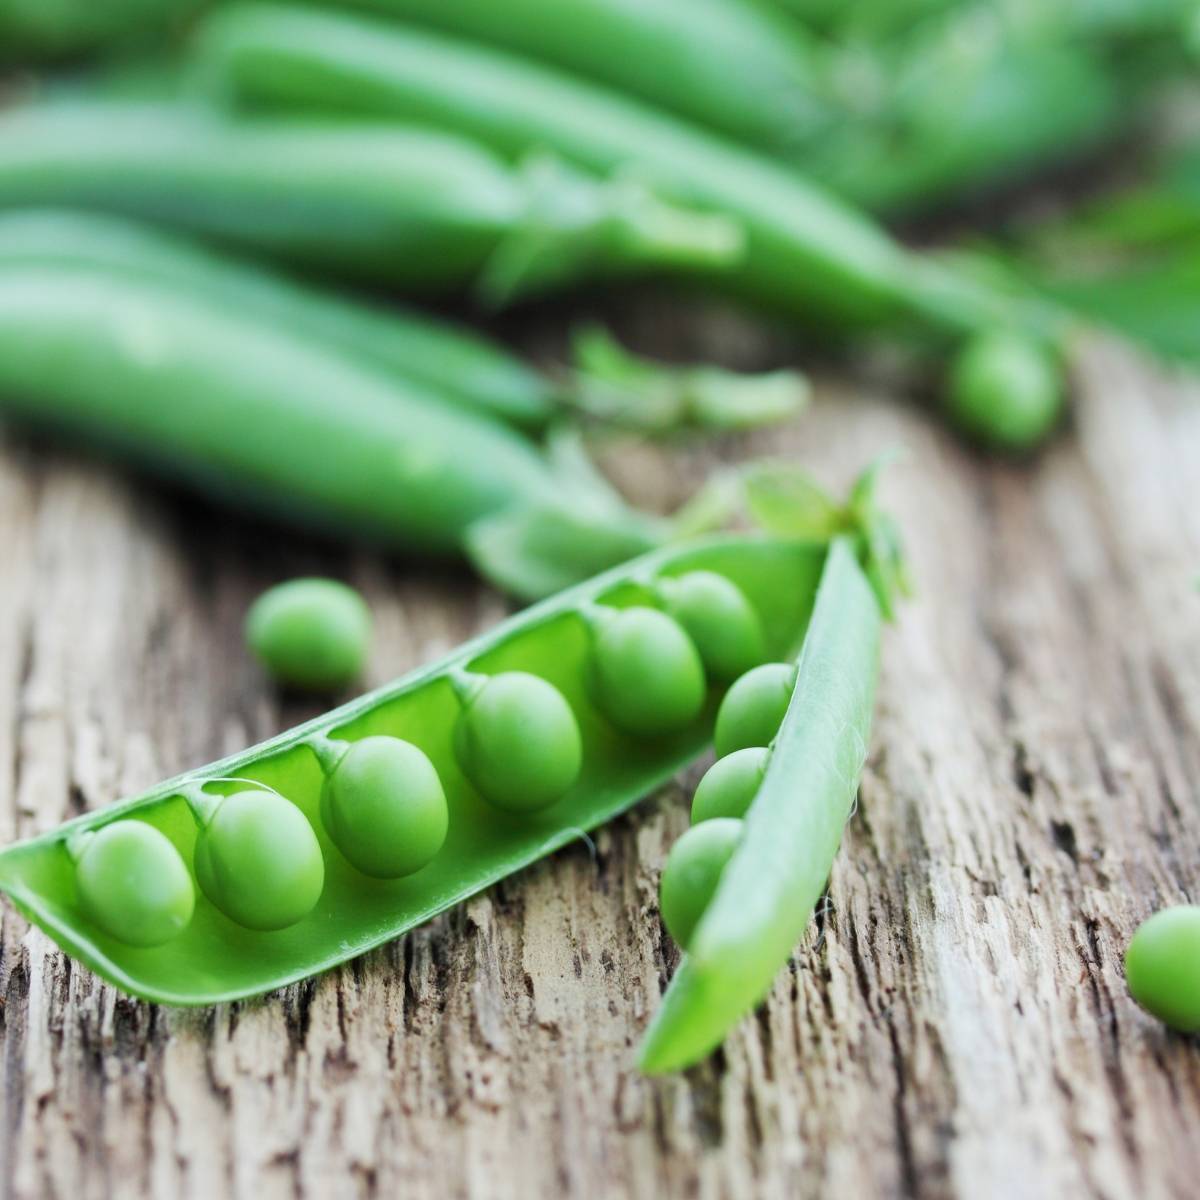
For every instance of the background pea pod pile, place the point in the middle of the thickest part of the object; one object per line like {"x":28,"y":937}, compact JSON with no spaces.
{"x":215,"y":220}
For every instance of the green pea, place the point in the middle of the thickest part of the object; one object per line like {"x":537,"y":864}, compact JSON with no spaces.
{"x":722,"y":623}
{"x":691,"y":874}
{"x":258,"y":860}
{"x":132,"y":882}
{"x":647,"y":675}
{"x":753,"y":708}
{"x":518,"y":742}
{"x":1005,"y":390}
{"x":310,"y":633}
{"x":384,"y":808}
{"x":730,"y":785}
{"x":1162,"y":966}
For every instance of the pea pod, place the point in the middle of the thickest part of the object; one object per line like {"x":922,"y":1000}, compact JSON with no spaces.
{"x":251,"y":413}
{"x":449,"y":360}
{"x":412,"y":207}
{"x":726,"y":64}
{"x":766,"y":876}
{"x":806,"y":252}
{"x":37,"y":28}
{"x":341,"y":834}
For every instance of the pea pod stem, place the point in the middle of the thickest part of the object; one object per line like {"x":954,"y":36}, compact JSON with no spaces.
{"x":466,"y":684}
{"x":329,"y":751}
{"x":766,"y":894}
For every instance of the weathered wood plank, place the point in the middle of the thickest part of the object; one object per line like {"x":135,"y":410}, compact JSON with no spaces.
{"x":957,"y":1026}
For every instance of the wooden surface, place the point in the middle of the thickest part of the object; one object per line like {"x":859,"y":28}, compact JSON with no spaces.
{"x":958,"y":1025}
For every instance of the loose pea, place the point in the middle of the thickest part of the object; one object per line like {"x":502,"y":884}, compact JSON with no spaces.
{"x":384,"y":808}
{"x":518,"y":742}
{"x":730,"y":785}
{"x":1005,"y":390}
{"x":719,"y":619}
{"x":258,"y":860}
{"x":692,"y":872}
{"x":647,"y":673}
{"x":753,"y":708}
{"x":310,"y":633}
{"x":1162,"y":966}
{"x":132,"y":882}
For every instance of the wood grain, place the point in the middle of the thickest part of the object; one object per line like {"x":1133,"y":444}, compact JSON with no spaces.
{"x":956,"y":1024}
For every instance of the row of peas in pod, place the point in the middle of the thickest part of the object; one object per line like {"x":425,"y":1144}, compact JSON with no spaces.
{"x":382,"y":813}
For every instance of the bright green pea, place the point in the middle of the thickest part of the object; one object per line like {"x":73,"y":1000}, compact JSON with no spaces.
{"x":730,"y":785}
{"x":384,"y":808}
{"x":719,"y":619}
{"x":647,"y":674}
{"x":692,"y":872}
{"x":1005,"y":389}
{"x":132,"y":882}
{"x":753,"y":708}
{"x":310,"y":633}
{"x":258,"y":860}
{"x":1162,"y":966}
{"x":518,"y":742}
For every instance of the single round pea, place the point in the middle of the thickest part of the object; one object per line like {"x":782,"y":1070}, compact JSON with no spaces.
{"x":384,"y":808}
{"x":1005,"y":389}
{"x":258,"y":860}
{"x":133,"y":883}
{"x":1162,"y":966}
{"x":518,"y":742}
{"x":691,"y":874}
{"x":720,"y":621}
{"x":647,"y":674}
{"x":730,"y":785}
{"x":310,"y":633}
{"x":753,"y":708}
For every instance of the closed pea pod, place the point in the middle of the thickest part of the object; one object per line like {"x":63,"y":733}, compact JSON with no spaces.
{"x":278,"y":423}
{"x":453,"y":363}
{"x":429,"y":210}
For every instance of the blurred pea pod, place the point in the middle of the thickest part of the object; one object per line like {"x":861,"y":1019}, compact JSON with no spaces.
{"x":447,"y":360}
{"x":414,"y":207}
{"x":732,"y":66}
{"x":36,"y":29}
{"x":277,"y":421}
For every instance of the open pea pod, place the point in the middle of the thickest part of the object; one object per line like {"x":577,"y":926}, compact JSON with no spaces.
{"x":739,"y":887}
{"x":345,"y":832}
